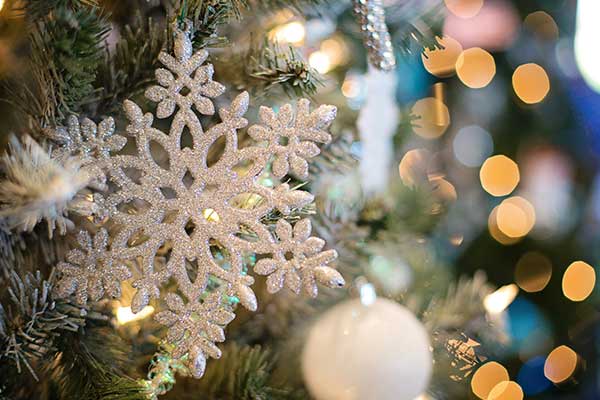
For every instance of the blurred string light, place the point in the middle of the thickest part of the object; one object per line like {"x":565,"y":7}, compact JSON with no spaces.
{"x":1,"y":4}
{"x":578,"y":281}
{"x":351,"y":87}
{"x":499,"y":175}
{"x":507,"y":390}
{"x":542,"y":25}
{"x":125,"y":315}
{"x":355,"y":90}
{"x":533,"y":272}
{"x":335,"y":47}
{"x":493,"y":28}
{"x":414,"y":167}
{"x":441,"y":62}
{"x":561,"y":364}
{"x":515,"y":217}
{"x":332,"y":52}
{"x":586,"y":38}
{"x":464,"y":8}
{"x":433,"y":118}
{"x":475,"y":68}
{"x":487,"y":377}
{"x":548,"y":183}
{"x":472,"y":145}
{"x":495,"y":232}
{"x":320,"y":61}
{"x":292,"y":32}
{"x":531,"y":83}
{"x":497,"y":302}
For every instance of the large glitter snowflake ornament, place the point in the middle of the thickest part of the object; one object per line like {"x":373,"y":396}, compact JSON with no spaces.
{"x":174,"y":202}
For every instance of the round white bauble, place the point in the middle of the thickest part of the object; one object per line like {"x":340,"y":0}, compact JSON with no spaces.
{"x":362,"y":352}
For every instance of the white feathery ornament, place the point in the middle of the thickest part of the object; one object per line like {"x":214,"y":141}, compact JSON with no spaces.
{"x":38,"y":187}
{"x":181,"y":205}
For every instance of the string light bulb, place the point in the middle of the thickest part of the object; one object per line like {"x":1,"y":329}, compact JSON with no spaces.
{"x":498,"y":301}
{"x":125,"y":315}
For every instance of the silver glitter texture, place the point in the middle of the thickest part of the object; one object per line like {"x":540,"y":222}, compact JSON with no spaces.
{"x":370,"y":15}
{"x":298,"y":261}
{"x":89,"y":271}
{"x":181,"y":204}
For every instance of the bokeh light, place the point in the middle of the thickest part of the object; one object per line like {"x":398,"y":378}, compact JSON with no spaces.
{"x":441,"y":62}
{"x":433,"y":118}
{"x":351,"y":87}
{"x":487,"y":377}
{"x":464,"y":8}
{"x":496,"y":233}
{"x":531,"y":83}
{"x":578,"y":281}
{"x":507,"y":390}
{"x":320,"y":61}
{"x":414,"y":167}
{"x":472,"y":145}
{"x":292,"y":32}
{"x":542,"y":25}
{"x":499,"y":175}
{"x":498,"y":301}
{"x":475,"y":68}
{"x":560,"y":364}
{"x":1,"y":4}
{"x":494,"y":28}
{"x":336,"y":50}
{"x":515,"y":217}
{"x":533,"y":272}
{"x":442,"y":189}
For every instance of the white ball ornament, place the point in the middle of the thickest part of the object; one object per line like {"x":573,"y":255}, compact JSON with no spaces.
{"x":378,"y":351}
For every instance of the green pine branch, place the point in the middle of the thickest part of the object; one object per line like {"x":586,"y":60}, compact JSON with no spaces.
{"x":30,"y":321}
{"x":86,"y":367}
{"x":415,"y":25}
{"x":127,"y":70}
{"x":66,"y":42}
{"x":242,"y":373}
{"x":266,"y":67}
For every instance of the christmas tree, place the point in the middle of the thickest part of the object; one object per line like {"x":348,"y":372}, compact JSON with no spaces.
{"x":293,"y":199}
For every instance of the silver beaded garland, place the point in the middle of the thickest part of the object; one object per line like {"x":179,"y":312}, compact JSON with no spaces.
{"x":370,"y":15}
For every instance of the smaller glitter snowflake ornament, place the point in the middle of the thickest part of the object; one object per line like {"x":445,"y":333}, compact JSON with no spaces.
{"x":298,"y":261}
{"x":197,"y":210}
{"x":89,"y":271}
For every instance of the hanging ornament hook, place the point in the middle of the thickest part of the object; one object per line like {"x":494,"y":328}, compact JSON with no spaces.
{"x":183,"y":47}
